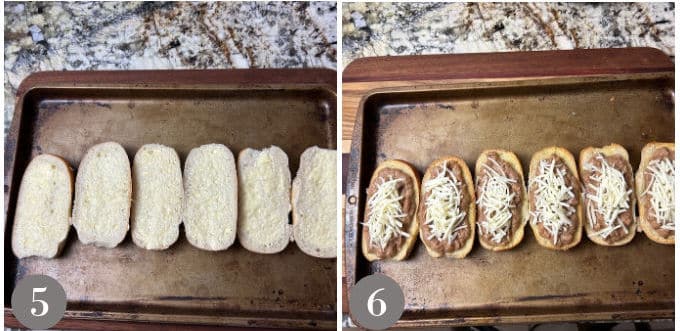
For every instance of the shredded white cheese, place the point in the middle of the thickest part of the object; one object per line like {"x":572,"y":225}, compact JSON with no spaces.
{"x":552,"y":208}
{"x":495,"y":199}
{"x":444,"y":215}
{"x":661,"y":192}
{"x":385,"y":213}
{"x":610,"y":199}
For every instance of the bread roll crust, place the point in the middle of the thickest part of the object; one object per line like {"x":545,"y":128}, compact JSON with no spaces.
{"x":316,"y":236}
{"x":585,"y":155}
{"x":514,"y":162}
{"x":471,"y":211}
{"x":413,"y":230}
{"x":571,"y":165}
{"x":158,"y":194}
{"x":210,"y":197}
{"x":643,"y":223}
{"x":264,"y":206}
{"x":103,"y":195}
{"x":59,"y":233}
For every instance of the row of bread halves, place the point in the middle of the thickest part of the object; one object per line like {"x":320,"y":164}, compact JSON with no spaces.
{"x":211,"y":199}
{"x":447,"y":209}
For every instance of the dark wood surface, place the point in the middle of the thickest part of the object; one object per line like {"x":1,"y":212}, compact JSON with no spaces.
{"x":508,"y":64}
{"x":75,"y":324}
{"x":366,"y":74}
{"x":181,"y":77}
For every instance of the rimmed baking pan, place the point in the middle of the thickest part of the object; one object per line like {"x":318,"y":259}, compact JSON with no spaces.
{"x":67,"y":112}
{"x":421,"y":122}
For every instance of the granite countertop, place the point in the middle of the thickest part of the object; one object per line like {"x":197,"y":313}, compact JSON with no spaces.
{"x":377,"y":29}
{"x":164,"y":35}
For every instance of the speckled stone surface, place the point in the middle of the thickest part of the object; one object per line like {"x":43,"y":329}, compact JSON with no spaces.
{"x":377,"y":29}
{"x":158,"y":35}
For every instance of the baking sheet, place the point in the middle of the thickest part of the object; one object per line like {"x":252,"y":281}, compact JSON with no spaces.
{"x":66,"y":113}
{"x":528,"y":283}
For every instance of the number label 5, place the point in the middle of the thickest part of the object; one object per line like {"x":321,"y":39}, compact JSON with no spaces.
{"x":38,"y":301}
{"x":44,"y":307}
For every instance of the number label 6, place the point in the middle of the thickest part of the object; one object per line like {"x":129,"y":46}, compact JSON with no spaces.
{"x":376,"y":302}
{"x":372,"y":301}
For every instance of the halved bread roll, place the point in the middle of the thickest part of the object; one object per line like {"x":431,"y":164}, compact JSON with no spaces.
{"x":101,"y":210}
{"x":446,"y":212}
{"x":502,"y":203}
{"x":386,"y":235}
{"x":157,"y":197}
{"x":608,"y":198}
{"x":314,"y":199}
{"x":264,"y":200}
{"x":210,"y":197}
{"x":555,"y":226}
{"x":43,"y":211}
{"x":654,"y":182}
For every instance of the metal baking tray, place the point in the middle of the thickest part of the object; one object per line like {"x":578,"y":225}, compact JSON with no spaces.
{"x":67,"y":112}
{"x":529,"y":283}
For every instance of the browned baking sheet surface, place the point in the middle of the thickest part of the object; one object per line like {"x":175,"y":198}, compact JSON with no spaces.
{"x":182,"y":284}
{"x":528,"y":283}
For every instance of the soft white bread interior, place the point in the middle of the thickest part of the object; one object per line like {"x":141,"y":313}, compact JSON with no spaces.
{"x":264,"y":200}
{"x":314,"y":199}
{"x":586,"y":155}
{"x":514,"y":162}
{"x":471,"y":210}
{"x":569,"y":161}
{"x":210,"y":197}
{"x":43,"y":211}
{"x":157,"y":197}
{"x":101,"y":210}
{"x":413,"y":229}
{"x":646,"y":155}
